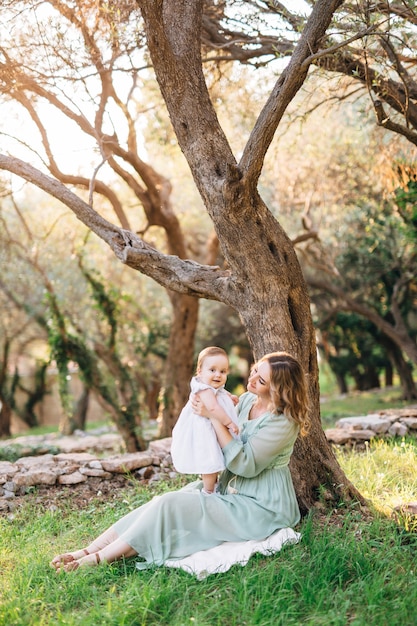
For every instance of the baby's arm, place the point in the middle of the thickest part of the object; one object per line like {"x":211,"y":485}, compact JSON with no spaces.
{"x":234,"y":399}
{"x":214,"y":409}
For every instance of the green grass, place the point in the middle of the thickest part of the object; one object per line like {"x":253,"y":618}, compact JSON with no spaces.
{"x":347,"y":569}
{"x":335,"y":405}
{"x":385,"y":473}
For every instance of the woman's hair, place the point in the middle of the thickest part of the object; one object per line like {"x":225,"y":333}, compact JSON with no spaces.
{"x":210,"y":351}
{"x":288,"y":386}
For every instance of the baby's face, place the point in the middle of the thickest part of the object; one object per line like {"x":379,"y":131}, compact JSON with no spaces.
{"x":214,"y":370}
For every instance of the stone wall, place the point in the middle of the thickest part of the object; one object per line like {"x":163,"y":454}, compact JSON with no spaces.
{"x":58,"y":461}
{"x":387,"y":423}
{"x":80,"y":460}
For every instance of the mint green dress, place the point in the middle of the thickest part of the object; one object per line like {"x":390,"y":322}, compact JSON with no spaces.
{"x":256,"y":496}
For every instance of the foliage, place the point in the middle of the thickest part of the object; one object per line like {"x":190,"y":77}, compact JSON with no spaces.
{"x":350,"y":569}
{"x":118,"y":390}
{"x":381,"y":257}
{"x":406,"y":200}
{"x":350,"y":345}
{"x":373,"y":283}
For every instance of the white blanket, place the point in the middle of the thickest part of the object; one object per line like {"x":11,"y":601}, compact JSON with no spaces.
{"x":221,"y":558}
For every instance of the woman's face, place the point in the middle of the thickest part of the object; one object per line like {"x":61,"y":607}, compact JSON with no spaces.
{"x":259,"y":379}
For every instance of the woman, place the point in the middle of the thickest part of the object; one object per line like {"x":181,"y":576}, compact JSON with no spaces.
{"x":255,"y":498}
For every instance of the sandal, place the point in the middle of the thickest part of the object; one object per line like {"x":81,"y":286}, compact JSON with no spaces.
{"x":64,"y":559}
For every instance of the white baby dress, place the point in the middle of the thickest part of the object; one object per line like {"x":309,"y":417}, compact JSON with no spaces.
{"x":194,"y":448}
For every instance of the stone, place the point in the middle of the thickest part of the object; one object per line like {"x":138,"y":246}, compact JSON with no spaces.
{"x":161,"y":447}
{"x":95,"y":465}
{"x":85,"y":442}
{"x":72,"y":479}
{"x":75,"y":457}
{"x":10,"y":486}
{"x":339,"y":436}
{"x":7,"y":469}
{"x":363,"y":435}
{"x":156,"y":478}
{"x":398,"y":429}
{"x":111,"y":441}
{"x":35,"y":477}
{"x":409,"y":508}
{"x":410,"y":422}
{"x":408,"y":411}
{"x":30,"y":461}
{"x":127,"y":462}
{"x":373,"y":422}
{"x":146,"y":472}
{"x":89,"y":471}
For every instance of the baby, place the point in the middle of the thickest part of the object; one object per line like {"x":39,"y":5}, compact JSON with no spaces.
{"x":195,"y":449}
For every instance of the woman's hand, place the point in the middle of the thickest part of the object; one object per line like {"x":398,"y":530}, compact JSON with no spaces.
{"x":222,"y":432}
{"x":198,"y":405}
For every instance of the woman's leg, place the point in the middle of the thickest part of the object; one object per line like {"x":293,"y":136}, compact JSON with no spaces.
{"x":105,"y":539}
{"x":109,"y":553}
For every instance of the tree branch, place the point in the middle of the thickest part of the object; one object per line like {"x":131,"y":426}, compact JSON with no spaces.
{"x":385,"y":121}
{"x":182,"y":276}
{"x":285,"y":89}
{"x":398,"y":334}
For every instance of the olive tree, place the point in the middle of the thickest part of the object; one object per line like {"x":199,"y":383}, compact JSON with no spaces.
{"x":262,"y":280}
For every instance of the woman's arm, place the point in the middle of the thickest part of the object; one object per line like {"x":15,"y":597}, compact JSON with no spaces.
{"x":222,"y":433}
{"x":273,"y":438}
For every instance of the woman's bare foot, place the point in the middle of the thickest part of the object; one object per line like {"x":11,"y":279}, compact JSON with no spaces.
{"x":84,"y":561}
{"x":70,"y":557}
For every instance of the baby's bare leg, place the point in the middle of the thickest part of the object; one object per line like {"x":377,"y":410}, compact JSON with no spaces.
{"x":209,"y":482}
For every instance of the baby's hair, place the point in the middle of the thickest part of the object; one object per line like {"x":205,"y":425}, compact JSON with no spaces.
{"x":209,"y":351}
{"x":289,"y":388}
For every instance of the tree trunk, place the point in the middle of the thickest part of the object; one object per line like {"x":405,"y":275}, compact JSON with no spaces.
{"x":179,"y":363}
{"x":341,"y":383}
{"x":81,"y":409}
{"x":5,"y":418}
{"x":396,"y":332}
{"x":132,"y":440}
{"x":389,"y":374}
{"x":409,"y":390}
{"x":268,"y":287}
{"x":366,"y":379}
{"x":275,"y":311}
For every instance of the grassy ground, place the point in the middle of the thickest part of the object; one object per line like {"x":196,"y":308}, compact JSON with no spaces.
{"x":347,"y":569}
{"x":335,"y":405}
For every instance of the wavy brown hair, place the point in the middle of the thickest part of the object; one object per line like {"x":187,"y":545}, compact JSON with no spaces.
{"x":288,"y":386}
